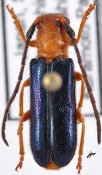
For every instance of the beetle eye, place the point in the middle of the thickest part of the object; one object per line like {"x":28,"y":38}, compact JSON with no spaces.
{"x":67,"y":20}
{"x":40,"y":24}
{"x":58,"y":23}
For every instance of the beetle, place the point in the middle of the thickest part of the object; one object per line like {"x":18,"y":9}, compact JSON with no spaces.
{"x":53,"y":114}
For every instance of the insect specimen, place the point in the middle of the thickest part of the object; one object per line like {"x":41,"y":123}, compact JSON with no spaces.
{"x":53,"y":113}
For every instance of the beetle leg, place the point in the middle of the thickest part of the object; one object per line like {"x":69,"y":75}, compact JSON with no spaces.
{"x":25,"y":84}
{"x":78,"y":76}
{"x":18,"y":26}
{"x":81,"y":119}
{"x":23,"y":118}
{"x":84,"y":18}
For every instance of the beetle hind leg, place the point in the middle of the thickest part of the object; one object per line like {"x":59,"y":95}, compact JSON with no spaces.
{"x":80,"y":118}
{"x":23,"y":117}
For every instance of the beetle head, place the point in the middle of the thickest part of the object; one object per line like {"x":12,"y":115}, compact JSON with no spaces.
{"x":50,"y":21}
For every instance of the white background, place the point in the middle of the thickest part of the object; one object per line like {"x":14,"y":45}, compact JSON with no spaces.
{"x":9,"y":156}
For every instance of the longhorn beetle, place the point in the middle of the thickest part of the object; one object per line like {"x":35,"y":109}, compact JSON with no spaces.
{"x":53,"y":113}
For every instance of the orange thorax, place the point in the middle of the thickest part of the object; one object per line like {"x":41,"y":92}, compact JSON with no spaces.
{"x":51,"y":41}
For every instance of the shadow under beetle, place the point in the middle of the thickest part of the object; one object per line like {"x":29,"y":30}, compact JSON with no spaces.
{"x":53,"y":114}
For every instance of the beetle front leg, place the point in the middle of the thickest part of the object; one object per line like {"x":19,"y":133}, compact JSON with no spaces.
{"x":83,"y":21}
{"x":19,"y":27}
{"x":80,"y":118}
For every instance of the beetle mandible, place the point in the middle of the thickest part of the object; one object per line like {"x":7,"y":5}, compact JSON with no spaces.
{"x":53,"y":112}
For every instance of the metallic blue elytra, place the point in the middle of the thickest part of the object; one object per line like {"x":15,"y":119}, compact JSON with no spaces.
{"x":53,"y":114}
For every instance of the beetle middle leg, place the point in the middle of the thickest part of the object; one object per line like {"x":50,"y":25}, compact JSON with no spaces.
{"x":25,"y":84}
{"x":78,"y":76}
{"x":23,"y":117}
